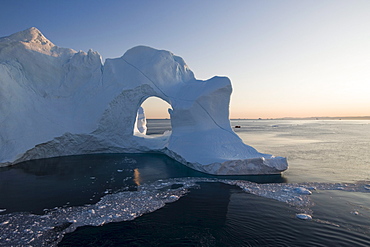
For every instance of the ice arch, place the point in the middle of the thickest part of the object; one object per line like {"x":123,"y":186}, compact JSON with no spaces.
{"x":79,"y":106}
{"x":201,"y":136}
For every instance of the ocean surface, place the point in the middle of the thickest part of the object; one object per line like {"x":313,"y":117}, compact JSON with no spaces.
{"x":152,"y":200}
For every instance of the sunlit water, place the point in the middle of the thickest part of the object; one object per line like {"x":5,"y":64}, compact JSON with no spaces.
{"x":151,"y":200}
{"x":329,"y":151}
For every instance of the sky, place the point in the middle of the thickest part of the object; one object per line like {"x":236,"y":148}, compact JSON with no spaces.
{"x":284,"y":58}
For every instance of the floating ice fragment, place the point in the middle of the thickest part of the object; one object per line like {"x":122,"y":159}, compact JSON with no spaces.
{"x":119,"y":170}
{"x":174,"y":197}
{"x":302,"y":191}
{"x":92,"y":177}
{"x":2,"y":210}
{"x":4,"y":223}
{"x":304,"y":216}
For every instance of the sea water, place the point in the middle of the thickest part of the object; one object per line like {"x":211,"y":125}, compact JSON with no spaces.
{"x":151,"y":200}
{"x":317,"y":150}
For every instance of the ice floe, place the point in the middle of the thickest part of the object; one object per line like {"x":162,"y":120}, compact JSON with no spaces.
{"x":304,"y":216}
{"x":22,"y":229}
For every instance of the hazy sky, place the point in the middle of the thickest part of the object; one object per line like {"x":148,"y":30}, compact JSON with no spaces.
{"x":284,"y":58}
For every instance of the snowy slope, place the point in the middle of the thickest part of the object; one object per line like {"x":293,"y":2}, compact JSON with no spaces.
{"x":56,"y":101}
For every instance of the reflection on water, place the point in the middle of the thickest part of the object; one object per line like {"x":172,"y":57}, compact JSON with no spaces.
{"x":137,"y":178}
{"x":55,"y":182}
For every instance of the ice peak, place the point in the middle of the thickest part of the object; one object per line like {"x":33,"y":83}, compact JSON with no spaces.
{"x":30,"y":35}
{"x":30,"y":39}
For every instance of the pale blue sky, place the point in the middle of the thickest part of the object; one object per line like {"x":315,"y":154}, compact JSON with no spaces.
{"x":285,"y":58}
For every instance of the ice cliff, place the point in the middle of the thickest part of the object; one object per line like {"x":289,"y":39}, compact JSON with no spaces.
{"x":56,"y":101}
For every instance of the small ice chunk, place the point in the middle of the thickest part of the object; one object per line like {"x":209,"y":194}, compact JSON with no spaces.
{"x":4,"y":223}
{"x":92,"y":177}
{"x":119,"y":170}
{"x":304,"y":216}
{"x":2,"y":210}
{"x":302,"y":191}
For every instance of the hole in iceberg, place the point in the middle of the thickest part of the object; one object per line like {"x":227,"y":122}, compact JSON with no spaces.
{"x":153,"y":117}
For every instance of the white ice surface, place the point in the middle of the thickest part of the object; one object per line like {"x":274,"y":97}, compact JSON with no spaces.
{"x":56,"y":101}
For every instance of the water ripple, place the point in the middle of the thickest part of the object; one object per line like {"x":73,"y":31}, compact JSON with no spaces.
{"x":22,"y":229}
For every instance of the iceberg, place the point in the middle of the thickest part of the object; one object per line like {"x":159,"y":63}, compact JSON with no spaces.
{"x":56,"y":101}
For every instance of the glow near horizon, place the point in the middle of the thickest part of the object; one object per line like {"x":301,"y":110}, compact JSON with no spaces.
{"x":284,"y":58}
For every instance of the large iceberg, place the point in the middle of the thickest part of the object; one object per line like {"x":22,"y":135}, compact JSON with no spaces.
{"x":55,"y":101}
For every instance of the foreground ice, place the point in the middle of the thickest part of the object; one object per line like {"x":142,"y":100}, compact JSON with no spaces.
{"x":304,"y":216}
{"x":23,"y":229}
{"x":76,"y":105}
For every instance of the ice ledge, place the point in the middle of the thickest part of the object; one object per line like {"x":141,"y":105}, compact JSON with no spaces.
{"x":80,"y":144}
{"x":252,"y":166}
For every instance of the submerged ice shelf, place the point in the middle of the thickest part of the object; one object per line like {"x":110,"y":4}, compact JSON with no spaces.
{"x":23,"y":229}
{"x":77,"y":105}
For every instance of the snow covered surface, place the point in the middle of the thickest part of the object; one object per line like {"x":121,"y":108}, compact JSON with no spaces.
{"x":56,"y":101}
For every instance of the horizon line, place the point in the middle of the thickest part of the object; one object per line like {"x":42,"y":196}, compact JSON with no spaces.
{"x":290,"y":118}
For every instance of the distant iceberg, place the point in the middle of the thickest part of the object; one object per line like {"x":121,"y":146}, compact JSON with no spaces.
{"x":55,"y":101}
